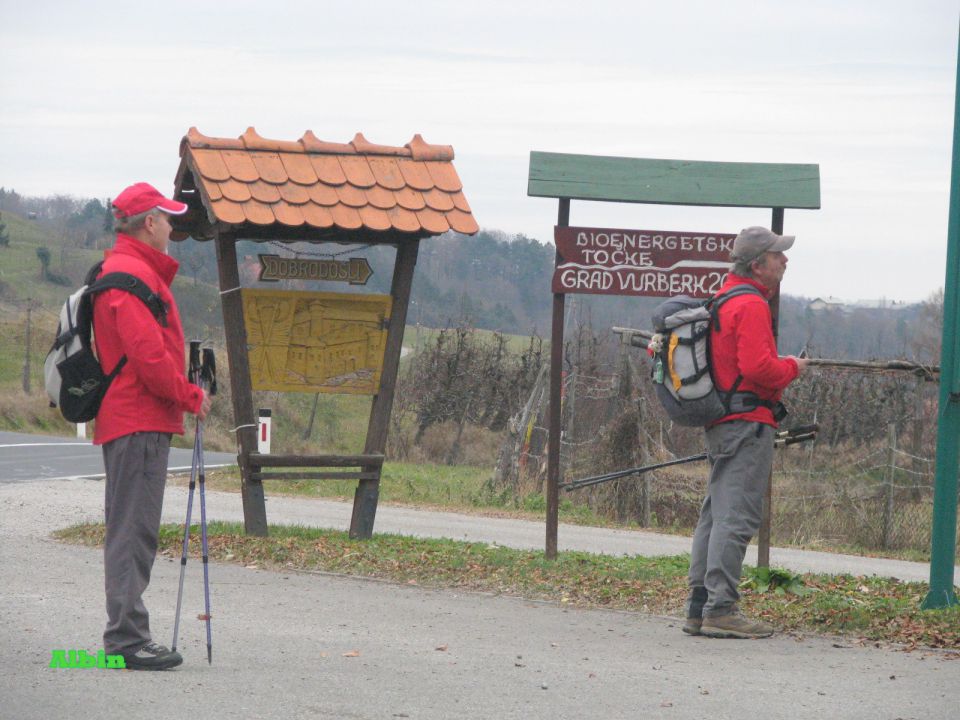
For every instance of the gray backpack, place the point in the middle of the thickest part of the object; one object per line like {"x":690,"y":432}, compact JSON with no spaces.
{"x":74,"y":380}
{"x":681,"y":353}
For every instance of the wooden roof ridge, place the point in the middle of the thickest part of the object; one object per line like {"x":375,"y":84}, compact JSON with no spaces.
{"x":417,"y":149}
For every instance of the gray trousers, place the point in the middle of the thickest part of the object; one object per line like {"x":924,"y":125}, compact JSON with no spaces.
{"x":741,"y":457}
{"x":136,"y":468}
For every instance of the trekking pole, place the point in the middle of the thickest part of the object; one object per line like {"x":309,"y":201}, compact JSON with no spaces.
{"x":193,"y":373}
{"x":597,"y":479}
{"x":208,"y":379}
{"x":803,"y":433}
{"x":930,"y":373}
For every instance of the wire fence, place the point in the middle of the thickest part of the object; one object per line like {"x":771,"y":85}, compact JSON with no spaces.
{"x":869,"y":495}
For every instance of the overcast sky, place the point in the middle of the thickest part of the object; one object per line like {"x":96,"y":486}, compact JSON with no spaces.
{"x":95,"y":96}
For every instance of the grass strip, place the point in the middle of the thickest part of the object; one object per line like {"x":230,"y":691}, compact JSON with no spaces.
{"x":866,"y":609}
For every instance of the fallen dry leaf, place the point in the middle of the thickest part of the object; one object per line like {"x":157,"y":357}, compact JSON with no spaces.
{"x":352,"y":653}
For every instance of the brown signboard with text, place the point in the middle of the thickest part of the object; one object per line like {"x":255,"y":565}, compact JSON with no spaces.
{"x":355,"y":271}
{"x":651,"y":263}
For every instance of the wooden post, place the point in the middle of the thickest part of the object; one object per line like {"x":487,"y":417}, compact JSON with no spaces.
{"x":368,"y":491}
{"x":891,"y":478}
{"x":26,"y":359}
{"x":556,"y":379}
{"x":254,"y":506}
{"x":313,"y":414}
{"x":763,"y":541}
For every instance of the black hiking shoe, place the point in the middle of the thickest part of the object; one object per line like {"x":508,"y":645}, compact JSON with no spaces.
{"x":153,"y":656}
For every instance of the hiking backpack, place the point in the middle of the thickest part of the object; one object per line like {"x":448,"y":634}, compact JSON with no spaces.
{"x":681,"y":352}
{"x":72,"y":374}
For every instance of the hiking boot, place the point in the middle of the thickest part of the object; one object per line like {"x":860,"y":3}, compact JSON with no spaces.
{"x":695,"y":602}
{"x":734,"y":625}
{"x":153,"y":656}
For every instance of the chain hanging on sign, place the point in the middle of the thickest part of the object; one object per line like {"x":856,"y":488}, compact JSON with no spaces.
{"x":311,"y":253}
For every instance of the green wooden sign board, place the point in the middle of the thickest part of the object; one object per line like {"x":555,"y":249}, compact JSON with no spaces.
{"x":673,"y":182}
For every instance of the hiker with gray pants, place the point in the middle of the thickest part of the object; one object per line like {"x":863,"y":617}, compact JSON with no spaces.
{"x":142,"y":408}
{"x":750,"y":376}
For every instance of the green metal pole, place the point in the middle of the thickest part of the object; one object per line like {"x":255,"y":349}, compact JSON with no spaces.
{"x":944,"y":535}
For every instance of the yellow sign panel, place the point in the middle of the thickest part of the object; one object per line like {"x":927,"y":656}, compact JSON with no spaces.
{"x":315,"y":342}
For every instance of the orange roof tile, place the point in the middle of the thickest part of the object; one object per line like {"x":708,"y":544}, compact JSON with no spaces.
{"x":256,"y":181}
{"x":409,"y":199}
{"x":264,"y":192}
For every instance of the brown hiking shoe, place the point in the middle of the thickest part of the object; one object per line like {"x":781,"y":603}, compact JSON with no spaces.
{"x":734,"y":625}
{"x":692,"y":626}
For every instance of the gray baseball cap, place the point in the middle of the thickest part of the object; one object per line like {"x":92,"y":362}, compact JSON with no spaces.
{"x":752,"y":242}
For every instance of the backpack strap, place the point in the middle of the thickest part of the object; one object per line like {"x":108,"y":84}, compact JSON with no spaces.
{"x":749,"y":400}
{"x":133,"y":285}
{"x":716,"y":302}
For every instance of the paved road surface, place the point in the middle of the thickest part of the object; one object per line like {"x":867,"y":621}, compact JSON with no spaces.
{"x":28,"y":458}
{"x":291,"y":645}
{"x":24,"y":458}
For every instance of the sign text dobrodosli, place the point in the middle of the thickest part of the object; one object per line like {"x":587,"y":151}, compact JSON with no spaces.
{"x":356,"y":271}
{"x":652,"y":263}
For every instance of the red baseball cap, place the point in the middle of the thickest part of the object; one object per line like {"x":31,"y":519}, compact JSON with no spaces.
{"x":141,"y":197}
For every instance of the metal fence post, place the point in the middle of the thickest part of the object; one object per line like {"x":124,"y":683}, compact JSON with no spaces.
{"x":943,"y":543}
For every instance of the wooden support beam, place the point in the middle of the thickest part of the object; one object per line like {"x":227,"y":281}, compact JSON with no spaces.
{"x":316,"y":476}
{"x":315,"y":460}
{"x":554,"y":435}
{"x":251,"y":489}
{"x":763,"y":539}
{"x":368,"y":491}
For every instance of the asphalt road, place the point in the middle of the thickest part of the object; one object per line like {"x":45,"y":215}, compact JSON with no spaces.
{"x":311,"y":645}
{"x":29,"y":458}
{"x":25,"y":458}
{"x":301,"y":645}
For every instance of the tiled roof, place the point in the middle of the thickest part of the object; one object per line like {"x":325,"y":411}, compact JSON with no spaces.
{"x":310,"y":183}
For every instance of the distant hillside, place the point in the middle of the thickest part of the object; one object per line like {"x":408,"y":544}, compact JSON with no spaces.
{"x":491,"y":281}
{"x":21,"y":281}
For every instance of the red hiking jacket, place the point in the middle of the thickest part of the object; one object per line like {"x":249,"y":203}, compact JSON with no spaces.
{"x":151,"y":392}
{"x":745,"y":346}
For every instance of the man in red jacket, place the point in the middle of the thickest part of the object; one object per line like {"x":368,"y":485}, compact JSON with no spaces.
{"x":142,"y":409}
{"x":743,"y":356}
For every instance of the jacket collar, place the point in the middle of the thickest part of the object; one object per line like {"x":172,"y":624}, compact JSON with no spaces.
{"x":734,"y":280}
{"x":164,"y":265}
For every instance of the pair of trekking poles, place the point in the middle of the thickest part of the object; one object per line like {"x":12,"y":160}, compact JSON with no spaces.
{"x":203,"y":374}
{"x":803,"y":433}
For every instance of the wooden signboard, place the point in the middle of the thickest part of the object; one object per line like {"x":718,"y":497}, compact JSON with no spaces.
{"x":315,"y":342}
{"x":651,"y":263}
{"x":355,"y":271}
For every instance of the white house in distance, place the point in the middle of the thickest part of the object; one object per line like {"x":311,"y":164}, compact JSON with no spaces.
{"x":831,"y":303}
{"x":826,"y":303}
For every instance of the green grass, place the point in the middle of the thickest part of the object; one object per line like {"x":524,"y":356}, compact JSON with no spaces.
{"x":869,"y":609}
{"x":463,"y":488}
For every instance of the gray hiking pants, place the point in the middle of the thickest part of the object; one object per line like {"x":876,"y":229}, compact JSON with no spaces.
{"x":741,"y":457}
{"x":136,"y":468}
